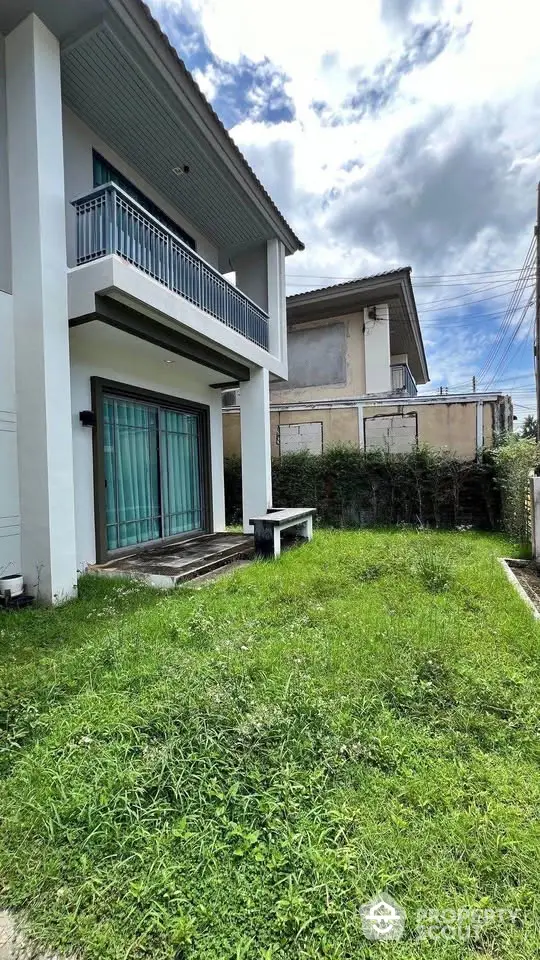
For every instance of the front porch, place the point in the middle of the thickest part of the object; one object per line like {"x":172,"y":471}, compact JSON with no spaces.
{"x":148,"y":452}
{"x":168,"y":565}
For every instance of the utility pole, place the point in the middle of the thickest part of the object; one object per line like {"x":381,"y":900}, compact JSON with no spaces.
{"x":474,"y":384}
{"x":537,"y":323}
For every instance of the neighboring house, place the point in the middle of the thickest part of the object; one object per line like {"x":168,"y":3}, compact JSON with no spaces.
{"x":355,"y":358}
{"x":123,"y":200}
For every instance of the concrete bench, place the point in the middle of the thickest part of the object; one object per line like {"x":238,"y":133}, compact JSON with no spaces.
{"x":268,"y":527}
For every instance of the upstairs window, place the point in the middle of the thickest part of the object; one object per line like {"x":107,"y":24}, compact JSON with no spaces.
{"x":104,"y":172}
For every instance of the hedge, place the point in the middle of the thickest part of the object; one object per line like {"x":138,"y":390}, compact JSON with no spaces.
{"x":514,"y":460}
{"x":352,"y":488}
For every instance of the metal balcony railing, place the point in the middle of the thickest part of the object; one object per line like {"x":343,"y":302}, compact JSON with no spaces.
{"x":403,"y":384}
{"x":109,"y":221}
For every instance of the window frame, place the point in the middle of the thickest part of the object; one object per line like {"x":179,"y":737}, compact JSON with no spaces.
{"x":101,"y":387}
{"x":112,"y":174}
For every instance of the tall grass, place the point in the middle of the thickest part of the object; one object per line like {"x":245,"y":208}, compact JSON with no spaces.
{"x":232,"y":771}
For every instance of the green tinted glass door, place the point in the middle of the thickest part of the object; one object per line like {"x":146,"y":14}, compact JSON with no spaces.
{"x":153,"y":481}
{"x":180,"y":472}
{"x":132,"y":501}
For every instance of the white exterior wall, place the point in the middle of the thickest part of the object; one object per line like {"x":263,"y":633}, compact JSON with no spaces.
{"x":10,"y":525}
{"x":252,"y":275}
{"x":46,"y":477}
{"x":101,"y":351}
{"x":377,"y":350}
{"x":260,"y":274}
{"x":5,"y":230}
{"x":79,"y":141}
{"x":10,"y":522}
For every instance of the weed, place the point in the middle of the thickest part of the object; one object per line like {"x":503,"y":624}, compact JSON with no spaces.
{"x":434,"y":572}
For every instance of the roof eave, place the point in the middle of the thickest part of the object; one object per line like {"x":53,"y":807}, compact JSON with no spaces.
{"x":350,"y":289}
{"x":415,"y":324}
{"x":137,"y":11}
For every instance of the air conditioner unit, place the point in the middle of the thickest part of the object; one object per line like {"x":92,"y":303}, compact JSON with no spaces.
{"x":230,"y":398}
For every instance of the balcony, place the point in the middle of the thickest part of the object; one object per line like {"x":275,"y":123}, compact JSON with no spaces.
{"x":403,"y":384}
{"x":109,"y":222}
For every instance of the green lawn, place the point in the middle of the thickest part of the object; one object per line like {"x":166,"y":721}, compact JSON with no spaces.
{"x":232,"y":771}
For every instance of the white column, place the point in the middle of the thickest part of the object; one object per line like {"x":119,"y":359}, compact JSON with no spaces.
{"x":377,"y":349}
{"x":360,"y":412}
{"x":479,"y":428}
{"x":42,"y":376}
{"x":256,"y":448}
{"x":217,"y":465}
{"x":277,"y":301}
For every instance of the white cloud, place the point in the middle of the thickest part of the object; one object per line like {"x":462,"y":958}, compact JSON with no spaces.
{"x":440,"y":175}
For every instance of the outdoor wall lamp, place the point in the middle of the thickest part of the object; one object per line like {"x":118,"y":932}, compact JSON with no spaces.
{"x":87,"y":418}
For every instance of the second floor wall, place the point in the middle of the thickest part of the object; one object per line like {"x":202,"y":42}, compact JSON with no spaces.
{"x":326,"y":360}
{"x":343,"y":357}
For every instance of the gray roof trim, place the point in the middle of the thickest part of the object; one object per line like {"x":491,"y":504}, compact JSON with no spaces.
{"x":415,"y":322}
{"x":151,"y":36}
{"x":352,"y":286}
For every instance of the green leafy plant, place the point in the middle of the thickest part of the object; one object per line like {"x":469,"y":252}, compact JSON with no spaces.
{"x":352,"y":488}
{"x":514,"y":460}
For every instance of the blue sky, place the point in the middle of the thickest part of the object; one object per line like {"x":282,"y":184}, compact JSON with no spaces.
{"x":395,"y":132}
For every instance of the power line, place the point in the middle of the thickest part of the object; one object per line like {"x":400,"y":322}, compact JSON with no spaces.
{"x":504,"y":358}
{"x":415,"y":277}
{"x":512,"y":306}
{"x":469,"y":293}
{"x":469,"y":303}
{"x":452,"y":322}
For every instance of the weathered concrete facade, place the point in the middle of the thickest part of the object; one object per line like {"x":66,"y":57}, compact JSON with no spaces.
{"x":460,"y":425}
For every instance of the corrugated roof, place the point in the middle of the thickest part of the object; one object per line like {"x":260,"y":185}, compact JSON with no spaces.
{"x":208,"y":107}
{"x":351,"y":283}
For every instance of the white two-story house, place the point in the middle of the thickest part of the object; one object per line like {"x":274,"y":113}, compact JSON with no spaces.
{"x":123,"y":202}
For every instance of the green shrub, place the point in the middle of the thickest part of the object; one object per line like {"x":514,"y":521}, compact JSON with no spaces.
{"x":351,"y":488}
{"x":514,"y":459}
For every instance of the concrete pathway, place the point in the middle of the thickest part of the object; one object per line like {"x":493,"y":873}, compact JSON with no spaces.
{"x":13,"y":946}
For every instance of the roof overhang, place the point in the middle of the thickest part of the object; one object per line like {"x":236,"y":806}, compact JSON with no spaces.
{"x":122,"y":77}
{"x":394,"y":288}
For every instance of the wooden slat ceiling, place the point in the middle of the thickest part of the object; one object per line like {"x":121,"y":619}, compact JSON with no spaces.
{"x":131,"y":111}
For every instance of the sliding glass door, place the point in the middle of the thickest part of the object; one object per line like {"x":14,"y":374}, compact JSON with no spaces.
{"x":181,"y":472}
{"x":153,"y":472}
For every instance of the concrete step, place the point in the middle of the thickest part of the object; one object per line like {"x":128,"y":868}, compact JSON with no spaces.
{"x":214,"y":564}
{"x":168,"y":565}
